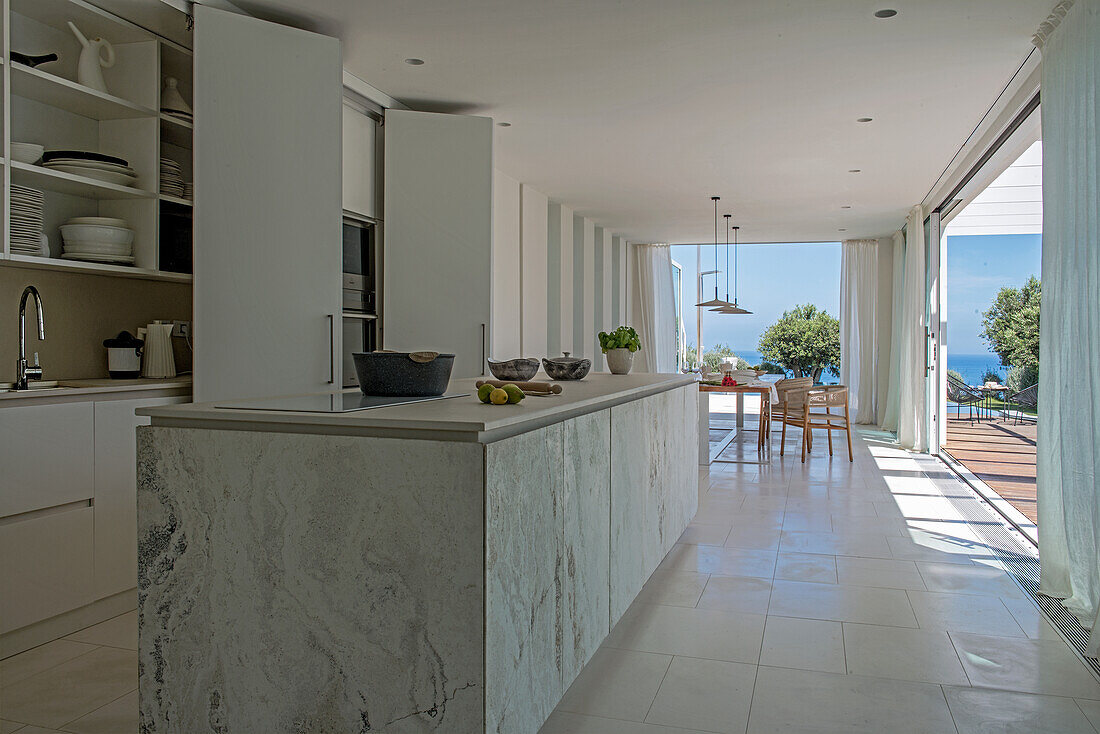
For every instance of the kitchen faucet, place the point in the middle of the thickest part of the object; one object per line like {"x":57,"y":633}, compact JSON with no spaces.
{"x":23,"y":371}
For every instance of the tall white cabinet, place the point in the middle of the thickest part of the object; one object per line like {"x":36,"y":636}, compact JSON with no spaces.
{"x":438,"y":235}
{"x":268,"y":208}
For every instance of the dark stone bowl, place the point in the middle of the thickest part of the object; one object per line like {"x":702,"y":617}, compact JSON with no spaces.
{"x":520,"y":370}
{"x":394,"y":374}
{"x":570,"y":369}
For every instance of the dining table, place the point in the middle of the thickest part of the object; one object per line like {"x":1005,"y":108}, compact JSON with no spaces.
{"x":768,"y":396}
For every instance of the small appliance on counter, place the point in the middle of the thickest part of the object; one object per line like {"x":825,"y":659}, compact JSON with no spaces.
{"x":124,"y":356}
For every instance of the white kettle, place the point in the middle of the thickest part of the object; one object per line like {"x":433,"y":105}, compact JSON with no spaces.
{"x":158,"y":360}
{"x":89,"y":68}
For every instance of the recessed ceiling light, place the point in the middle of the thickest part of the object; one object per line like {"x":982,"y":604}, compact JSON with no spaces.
{"x":842,"y":230}
{"x":846,"y":206}
{"x":886,"y":13}
{"x":504,"y":124}
{"x":414,"y":62}
{"x":854,"y":170}
{"x":864,"y":119}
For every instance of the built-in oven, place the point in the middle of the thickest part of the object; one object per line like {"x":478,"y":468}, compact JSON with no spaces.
{"x":360,"y":293}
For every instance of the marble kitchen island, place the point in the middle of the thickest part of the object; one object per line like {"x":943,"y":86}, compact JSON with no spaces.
{"x":441,"y":566}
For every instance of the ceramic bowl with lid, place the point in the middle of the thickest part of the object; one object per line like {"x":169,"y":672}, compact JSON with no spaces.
{"x":566,"y":367}
{"x":514,"y":369}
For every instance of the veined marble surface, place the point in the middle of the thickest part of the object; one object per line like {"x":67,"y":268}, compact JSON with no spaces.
{"x":285,"y":584}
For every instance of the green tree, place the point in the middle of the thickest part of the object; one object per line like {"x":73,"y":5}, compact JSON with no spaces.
{"x":804,"y":341}
{"x":714,"y":357}
{"x":1012,"y":324}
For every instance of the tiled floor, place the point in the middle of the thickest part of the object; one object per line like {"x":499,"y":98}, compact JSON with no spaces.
{"x":85,"y":683}
{"x":825,"y":597}
{"x":830,"y":597}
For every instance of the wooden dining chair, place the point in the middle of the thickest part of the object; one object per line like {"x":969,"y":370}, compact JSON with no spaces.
{"x":782,"y":387}
{"x":820,"y":404}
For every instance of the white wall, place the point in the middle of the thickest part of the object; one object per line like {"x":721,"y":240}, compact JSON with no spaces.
{"x":534,"y":223}
{"x":505,"y":297}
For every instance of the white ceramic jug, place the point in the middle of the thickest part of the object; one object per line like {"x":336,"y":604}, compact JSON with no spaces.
{"x":158,"y":360}
{"x":89,"y":69}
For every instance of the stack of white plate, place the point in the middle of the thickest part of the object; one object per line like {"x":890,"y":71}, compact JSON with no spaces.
{"x":189,"y":191}
{"x":26,"y":220}
{"x":98,"y":240}
{"x":91,"y":165}
{"x":178,"y":114}
{"x":171,"y":178}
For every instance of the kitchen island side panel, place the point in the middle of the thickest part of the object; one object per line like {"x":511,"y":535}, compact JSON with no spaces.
{"x":524,"y":549}
{"x":654,"y":486}
{"x":286,"y":581}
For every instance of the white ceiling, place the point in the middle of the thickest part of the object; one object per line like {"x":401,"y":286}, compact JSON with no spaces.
{"x":634,"y":112}
{"x":1012,"y":204}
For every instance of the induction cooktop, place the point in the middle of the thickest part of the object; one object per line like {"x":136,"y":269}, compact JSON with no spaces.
{"x":347,"y":401}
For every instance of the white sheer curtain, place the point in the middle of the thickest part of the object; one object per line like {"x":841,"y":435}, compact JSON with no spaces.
{"x":859,"y":327}
{"x":893,"y":386}
{"x":655,"y":308}
{"x":912,"y":431}
{"x":1069,"y":388}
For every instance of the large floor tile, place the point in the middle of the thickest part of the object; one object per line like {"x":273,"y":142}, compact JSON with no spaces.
{"x":904,"y":654}
{"x":753,"y":537}
{"x":963,"y":613}
{"x":1091,"y":710}
{"x":1029,"y":666}
{"x":618,"y":684}
{"x":803,"y":702}
{"x":563,"y":722}
{"x":70,"y":690}
{"x":806,"y":644}
{"x":704,"y":694}
{"x":807,"y":522}
{"x":841,"y":603}
{"x":678,"y":589}
{"x":699,"y":633}
{"x":835,"y":544}
{"x":701,"y":534}
{"x":920,"y":545}
{"x":1033,"y":622}
{"x":976,"y":579}
{"x":737,"y":594}
{"x":881,"y":572}
{"x":120,"y":631}
{"x":979,"y":711}
{"x":120,"y":715}
{"x":38,"y":659}
{"x":721,"y":561}
{"x":806,"y":567}
{"x":7,"y":727}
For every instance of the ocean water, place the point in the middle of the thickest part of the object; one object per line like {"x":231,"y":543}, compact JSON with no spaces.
{"x":970,"y":366}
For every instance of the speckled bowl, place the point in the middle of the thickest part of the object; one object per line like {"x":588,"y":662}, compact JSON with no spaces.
{"x":519,"y":370}
{"x":566,"y":367}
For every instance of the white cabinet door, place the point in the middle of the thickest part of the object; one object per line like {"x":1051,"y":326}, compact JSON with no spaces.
{"x":438,"y":235}
{"x":361,"y":188}
{"x":116,"y":492}
{"x":47,"y":566}
{"x":267,"y":208}
{"x":45,"y":456}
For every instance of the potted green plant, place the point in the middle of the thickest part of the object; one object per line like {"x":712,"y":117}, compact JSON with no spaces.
{"x":619,"y":346}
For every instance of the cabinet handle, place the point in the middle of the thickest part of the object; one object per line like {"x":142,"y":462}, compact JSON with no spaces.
{"x":331,"y":348}
{"x":483,"y":350}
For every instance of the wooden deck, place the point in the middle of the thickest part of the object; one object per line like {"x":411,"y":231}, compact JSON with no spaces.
{"x":1001,"y":455}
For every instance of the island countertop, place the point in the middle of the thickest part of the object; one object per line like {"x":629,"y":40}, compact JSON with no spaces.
{"x":461,"y":418}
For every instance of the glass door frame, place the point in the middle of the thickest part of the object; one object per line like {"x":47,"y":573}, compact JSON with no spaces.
{"x":935,"y":332}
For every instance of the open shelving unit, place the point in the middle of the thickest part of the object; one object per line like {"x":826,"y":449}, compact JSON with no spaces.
{"x":47,"y":106}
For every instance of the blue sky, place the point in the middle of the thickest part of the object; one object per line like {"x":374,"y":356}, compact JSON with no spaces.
{"x":774,"y":278}
{"x":977,"y":267}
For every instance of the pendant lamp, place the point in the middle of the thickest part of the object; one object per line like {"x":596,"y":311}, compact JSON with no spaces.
{"x":731,"y":308}
{"x":716,"y":301}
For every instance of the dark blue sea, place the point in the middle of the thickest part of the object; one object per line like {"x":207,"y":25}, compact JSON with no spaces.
{"x":971,"y":366}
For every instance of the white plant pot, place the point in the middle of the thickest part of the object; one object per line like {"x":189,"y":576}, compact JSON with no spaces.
{"x":619,"y":361}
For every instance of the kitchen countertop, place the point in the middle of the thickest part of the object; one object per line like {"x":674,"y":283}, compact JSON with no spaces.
{"x":82,"y":389}
{"x":457,"y":419}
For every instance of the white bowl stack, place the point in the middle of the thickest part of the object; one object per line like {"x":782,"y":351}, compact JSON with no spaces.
{"x":98,"y":240}
{"x":171,"y":178}
{"x":26,"y":220}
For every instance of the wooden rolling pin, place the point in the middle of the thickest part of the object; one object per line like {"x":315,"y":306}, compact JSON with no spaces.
{"x":540,"y":387}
